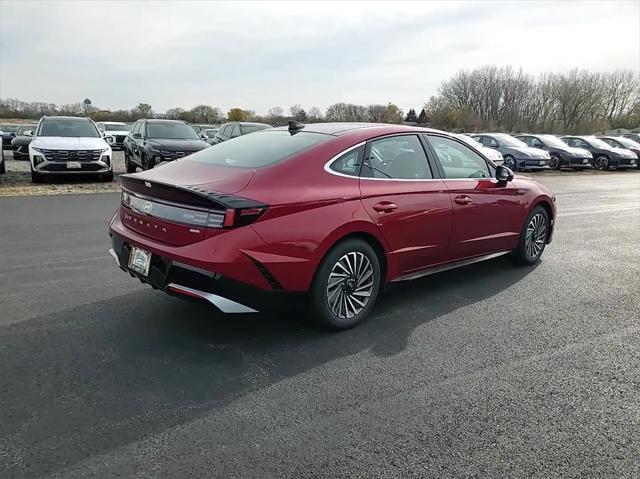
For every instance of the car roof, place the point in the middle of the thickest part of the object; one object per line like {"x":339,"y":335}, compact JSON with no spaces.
{"x":114,"y":122}
{"x":339,"y":129}
{"x":57,"y":117}
{"x":250,"y":123}
{"x":162,"y":120}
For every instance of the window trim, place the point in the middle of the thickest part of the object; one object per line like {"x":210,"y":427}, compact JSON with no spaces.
{"x":327,"y":165}
{"x":491,"y":166}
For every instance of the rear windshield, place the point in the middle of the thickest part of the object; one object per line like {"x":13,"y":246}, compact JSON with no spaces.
{"x":68,"y":127}
{"x":259,"y":149}
{"x":9,"y":128}
{"x":116,"y":127}
{"x":171,"y":131}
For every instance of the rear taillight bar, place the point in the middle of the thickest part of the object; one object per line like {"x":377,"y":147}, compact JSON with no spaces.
{"x":190,"y":216}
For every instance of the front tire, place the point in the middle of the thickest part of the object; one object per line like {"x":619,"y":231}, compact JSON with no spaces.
{"x":36,"y":177}
{"x":108,"y":177}
{"x":533,"y":238}
{"x":128,"y":165}
{"x":346,"y":284}
{"x":510,"y":162}
{"x":601,"y":163}
{"x":555,"y":163}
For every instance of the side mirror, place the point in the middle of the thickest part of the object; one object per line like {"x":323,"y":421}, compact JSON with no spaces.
{"x":503,"y":174}
{"x":137,"y":136}
{"x":28,"y":133}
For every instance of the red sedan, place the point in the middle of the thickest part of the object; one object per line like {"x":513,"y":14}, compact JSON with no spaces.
{"x":334,"y":211}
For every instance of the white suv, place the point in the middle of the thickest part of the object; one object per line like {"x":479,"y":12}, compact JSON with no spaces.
{"x":65,"y":145}
{"x":114,"y":132}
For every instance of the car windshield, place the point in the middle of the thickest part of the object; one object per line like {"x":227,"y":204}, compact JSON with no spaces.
{"x":9,"y":128}
{"x":251,"y":128}
{"x":551,"y":140}
{"x":259,"y":149}
{"x":627,"y":142}
{"x":596,"y":142}
{"x":68,"y":127}
{"x":506,"y":140}
{"x":171,"y":131}
{"x":471,"y":141}
{"x":115,"y":127}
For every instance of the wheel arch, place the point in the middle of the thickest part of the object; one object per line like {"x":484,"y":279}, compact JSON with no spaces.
{"x":547,"y":204}
{"x":366,"y":232}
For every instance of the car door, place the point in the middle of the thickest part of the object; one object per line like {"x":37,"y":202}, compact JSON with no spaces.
{"x":407,"y":202}
{"x":487,"y":214}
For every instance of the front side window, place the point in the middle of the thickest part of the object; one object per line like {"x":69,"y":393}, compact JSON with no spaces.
{"x":349,"y":163}
{"x":397,"y":157}
{"x":458,"y":160}
{"x":171,"y":131}
{"x":68,"y":128}
{"x":259,"y":149}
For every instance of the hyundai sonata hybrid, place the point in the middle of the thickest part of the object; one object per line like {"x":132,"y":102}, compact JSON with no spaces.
{"x":328,"y":212}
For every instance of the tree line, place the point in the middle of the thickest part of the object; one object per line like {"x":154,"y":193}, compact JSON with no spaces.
{"x":503,"y":98}
{"x":485,"y":98}
{"x":277,"y":116}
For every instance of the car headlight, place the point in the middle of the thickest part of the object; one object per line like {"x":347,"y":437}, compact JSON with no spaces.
{"x":39,"y":150}
{"x":104,"y":150}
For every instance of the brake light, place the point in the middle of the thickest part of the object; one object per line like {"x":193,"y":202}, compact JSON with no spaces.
{"x":235,"y":217}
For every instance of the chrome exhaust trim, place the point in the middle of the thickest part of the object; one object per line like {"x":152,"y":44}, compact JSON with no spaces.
{"x":223,"y":304}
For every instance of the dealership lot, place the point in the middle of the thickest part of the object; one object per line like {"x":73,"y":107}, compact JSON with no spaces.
{"x":490,"y":370}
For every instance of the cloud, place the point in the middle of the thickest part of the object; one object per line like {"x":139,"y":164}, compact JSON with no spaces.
{"x":261,"y":54}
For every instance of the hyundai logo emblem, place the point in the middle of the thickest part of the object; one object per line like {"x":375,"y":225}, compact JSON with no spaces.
{"x":148,"y":206}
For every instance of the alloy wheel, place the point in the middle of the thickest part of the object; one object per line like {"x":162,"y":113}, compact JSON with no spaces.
{"x":554,"y":163}
{"x":509,"y":162}
{"x":601,"y":163}
{"x":536,"y":235}
{"x":350,"y":285}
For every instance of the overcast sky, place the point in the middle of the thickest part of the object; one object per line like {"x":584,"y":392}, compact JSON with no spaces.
{"x":260,"y":54}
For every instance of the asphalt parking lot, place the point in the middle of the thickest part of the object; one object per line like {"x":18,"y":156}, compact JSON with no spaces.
{"x":487,"y":371}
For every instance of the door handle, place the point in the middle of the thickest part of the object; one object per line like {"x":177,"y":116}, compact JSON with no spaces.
{"x":462,"y":200}
{"x":385,"y":207}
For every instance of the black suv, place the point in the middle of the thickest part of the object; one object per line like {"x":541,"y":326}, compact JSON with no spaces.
{"x":153,"y":141}
{"x":562,"y":155}
{"x":234,"y":129}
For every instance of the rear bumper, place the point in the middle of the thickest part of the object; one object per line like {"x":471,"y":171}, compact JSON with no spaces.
{"x":191,"y":282}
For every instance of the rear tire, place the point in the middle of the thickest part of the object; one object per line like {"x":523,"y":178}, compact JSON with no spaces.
{"x":533,"y":238}
{"x":346,"y":285}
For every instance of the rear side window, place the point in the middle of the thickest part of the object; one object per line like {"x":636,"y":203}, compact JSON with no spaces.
{"x":349,"y":163}
{"x":397,"y":157}
{"x":253,"y":128}
{"x":235,"y":132}
{"x":259,"y":149}
{"x":457,"y":160}
{"x":226,"y":129}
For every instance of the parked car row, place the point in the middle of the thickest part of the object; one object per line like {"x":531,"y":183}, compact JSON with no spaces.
{"x":540,"y":151}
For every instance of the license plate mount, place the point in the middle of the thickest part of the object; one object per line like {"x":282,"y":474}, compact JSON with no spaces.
{"x":139,"y":261}
{"x":74,"y":165}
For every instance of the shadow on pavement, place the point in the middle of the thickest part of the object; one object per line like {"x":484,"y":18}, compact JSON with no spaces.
{"x":100,"y":376}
